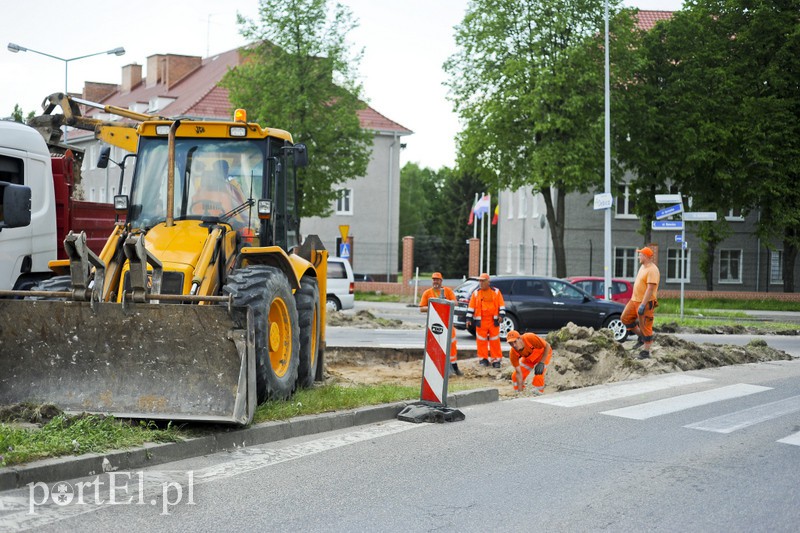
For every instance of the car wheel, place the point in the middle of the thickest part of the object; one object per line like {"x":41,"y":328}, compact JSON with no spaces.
{"x":332,"y":304}
{"x":617,"y":327}
{"x":507,"y":324}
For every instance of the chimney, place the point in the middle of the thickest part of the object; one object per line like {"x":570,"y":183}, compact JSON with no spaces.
{"x":131,"y":77}
{"x":97,"y":92}
{"x":155,"y":69}
{"x":178,"y":67}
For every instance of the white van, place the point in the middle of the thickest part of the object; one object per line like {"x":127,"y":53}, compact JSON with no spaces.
{"x":341,"y":284}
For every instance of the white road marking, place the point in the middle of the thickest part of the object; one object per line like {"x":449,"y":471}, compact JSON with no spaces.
{"x":687,"y":401}
{"x":618,"y":390}
{"x":748,"y":417}
{"x":15,"y":512}
{"x":792,"y":439}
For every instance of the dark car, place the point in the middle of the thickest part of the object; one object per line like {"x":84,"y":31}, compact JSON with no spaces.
{"x":542,"y":304}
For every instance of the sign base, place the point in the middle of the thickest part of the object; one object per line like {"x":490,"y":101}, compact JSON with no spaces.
{"x":423,"y":412}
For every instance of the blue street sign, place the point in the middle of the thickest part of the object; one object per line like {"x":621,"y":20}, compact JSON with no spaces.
{"x":668,"y":225}
{"x":669,"y":211}
{"x":344,"y":250}
{"x":678,"y":238}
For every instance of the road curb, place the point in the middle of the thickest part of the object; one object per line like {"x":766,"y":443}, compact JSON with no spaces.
{"x":72,"y":467}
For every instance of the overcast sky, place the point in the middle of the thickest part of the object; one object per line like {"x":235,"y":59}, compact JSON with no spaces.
{"x":405,"y":43}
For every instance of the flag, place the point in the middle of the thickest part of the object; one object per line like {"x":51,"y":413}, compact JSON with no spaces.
{"x":482,"y":207}
{"x":472,"y":215}
{"x":496,"y":214}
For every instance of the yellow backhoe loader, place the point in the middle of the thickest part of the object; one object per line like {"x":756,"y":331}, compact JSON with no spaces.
{"x":201,"y":304}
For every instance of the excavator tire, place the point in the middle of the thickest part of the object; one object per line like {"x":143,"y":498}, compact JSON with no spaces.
{"x":54,"y":284}
{"x":309,"y":316}
{"x":266,"y":291}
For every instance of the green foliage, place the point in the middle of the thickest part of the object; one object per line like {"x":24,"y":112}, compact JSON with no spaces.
{"x":527,"y":82}
{"x":65,"y":435}
{"x":300,"y":76}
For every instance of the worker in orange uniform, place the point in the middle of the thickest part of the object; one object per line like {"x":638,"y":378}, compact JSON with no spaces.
{"x":486,"y":310}
{"x":640,"y":310}
{"x":446,"y":293}
{"x":529,"y":352}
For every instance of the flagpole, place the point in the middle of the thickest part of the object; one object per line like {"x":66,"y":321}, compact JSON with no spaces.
{"x":489,"y":246}
{"x":474,"y":219}
{"x":481,"y":248}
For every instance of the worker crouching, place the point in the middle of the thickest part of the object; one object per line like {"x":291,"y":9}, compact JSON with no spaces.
{"x":529,"y":353}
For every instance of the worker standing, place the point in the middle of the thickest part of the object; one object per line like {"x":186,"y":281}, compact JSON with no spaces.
{"x":446,"y":293}
{"x":486,"y":309}
{"x":640,"y":310}
{"x":529,"y":352}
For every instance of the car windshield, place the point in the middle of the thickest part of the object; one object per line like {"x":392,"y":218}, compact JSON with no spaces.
{"x":466,"y":288}
{"x":212,"y":177}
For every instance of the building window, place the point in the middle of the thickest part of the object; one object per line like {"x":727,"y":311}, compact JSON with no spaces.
{"x":521,"y":258}
{"x":776,"y":266}
{"x":625,"y":262}
{"x":730,"y":266}
{"x":523,"y":204}
{"x":92,"y":195}
{"x":674,"y":263}
{"x":510,"y":205}
{"x":509,"y":257}
{"x":344,"y":202}
{"x":734,"y":215}
{"x":625,"y":202}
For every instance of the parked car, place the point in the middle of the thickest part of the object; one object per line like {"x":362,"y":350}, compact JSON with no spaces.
{"x":341,"y":284}
{"x":543,"y":304}
{"x":621,"y":289}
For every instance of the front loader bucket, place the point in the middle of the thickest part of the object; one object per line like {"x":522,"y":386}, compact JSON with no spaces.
{"x":152,"y":361}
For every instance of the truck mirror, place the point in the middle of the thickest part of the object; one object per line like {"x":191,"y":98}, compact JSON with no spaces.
{"x":105,"y":153}
{"x":300,"y":155}
{"x":15,"y":205}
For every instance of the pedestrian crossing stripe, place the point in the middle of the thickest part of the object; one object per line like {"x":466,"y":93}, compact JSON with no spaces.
{"x":687,"y":401}
{"x":748,"y":417}
{"x":792,"y":439}
{"x":616,"y":391}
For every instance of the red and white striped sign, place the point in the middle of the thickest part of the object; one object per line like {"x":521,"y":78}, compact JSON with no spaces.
{"x":435,"y":367}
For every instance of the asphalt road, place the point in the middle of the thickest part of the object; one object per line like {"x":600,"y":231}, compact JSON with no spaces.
{"x":712,"y":450}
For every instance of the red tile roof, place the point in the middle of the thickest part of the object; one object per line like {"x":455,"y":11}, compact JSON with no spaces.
{"x":646,"y":20}
{"x":198,"y":95}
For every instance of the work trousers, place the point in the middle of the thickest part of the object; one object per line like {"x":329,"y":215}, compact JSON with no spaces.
{"x":526,"y":368}
{"x":488,"y":341}
{"x":631,"y":318}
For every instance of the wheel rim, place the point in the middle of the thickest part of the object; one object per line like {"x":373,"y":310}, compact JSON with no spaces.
{"x":331,"y":305}
{"x":618,"y":328}
{"x":505,"y":326}
{"x":280,"y":337}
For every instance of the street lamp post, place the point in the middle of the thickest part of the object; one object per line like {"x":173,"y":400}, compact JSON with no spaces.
{"x":17,"y":48}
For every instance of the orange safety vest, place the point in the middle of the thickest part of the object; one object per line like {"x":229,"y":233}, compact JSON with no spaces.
{"x":490,"y":305}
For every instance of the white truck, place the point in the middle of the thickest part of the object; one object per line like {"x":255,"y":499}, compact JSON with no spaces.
{"x":25,"y":160}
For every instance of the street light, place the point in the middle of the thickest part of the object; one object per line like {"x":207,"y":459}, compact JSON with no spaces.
{"x":17,"y":48}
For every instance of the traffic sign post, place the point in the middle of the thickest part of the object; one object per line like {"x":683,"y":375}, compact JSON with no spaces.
{"x":700,"y":216}
{"x":669,"y":211}
{"x":344,"y":250}
{"x":667,"y":225}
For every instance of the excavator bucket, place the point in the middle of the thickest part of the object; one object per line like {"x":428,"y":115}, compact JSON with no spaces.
{"x":151,"y":361}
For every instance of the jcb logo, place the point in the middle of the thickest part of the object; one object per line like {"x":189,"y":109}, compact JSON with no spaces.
{"x":437,"y":329}
{"x":199,"y":129}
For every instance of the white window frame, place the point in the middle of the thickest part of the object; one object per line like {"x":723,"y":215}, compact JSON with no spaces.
{"x":629,"y":258}
{"x":521,"y":258}
{"x":344,"y":196}
{"x":509,"y":257}
{"x":523,"y":204}
{"x":510,"y":204}
{"x":776,"y":267}
{"x":673,"y":259}
{"x":722,"y":259}
{"x":734,"y":215}
{"x":624,"y":202}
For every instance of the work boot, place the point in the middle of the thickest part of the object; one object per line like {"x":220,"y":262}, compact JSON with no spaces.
{"x":484,"y":362}
{"x":639,"y":344}
{"x":456,"y":371}
{"x":496,"y":364}
{"x":644,"y":354}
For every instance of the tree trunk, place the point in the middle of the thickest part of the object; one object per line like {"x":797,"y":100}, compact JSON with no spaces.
{"x":709,"y":271}
{"x":555,"y":221}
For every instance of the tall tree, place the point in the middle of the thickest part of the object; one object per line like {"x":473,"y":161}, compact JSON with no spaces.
{"x":300,"y":75}
{"x":527,"y":82}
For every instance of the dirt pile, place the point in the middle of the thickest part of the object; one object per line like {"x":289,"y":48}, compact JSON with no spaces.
{"x":582,"y":357}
